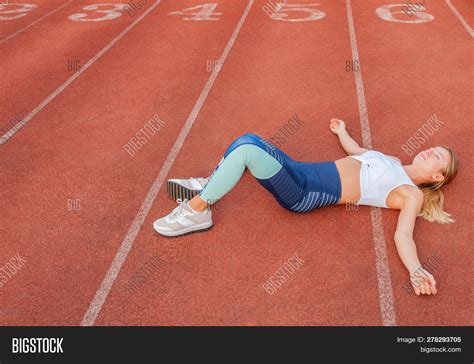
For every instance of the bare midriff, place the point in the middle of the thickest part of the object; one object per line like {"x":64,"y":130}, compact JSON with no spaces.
{"x":349,"y":172}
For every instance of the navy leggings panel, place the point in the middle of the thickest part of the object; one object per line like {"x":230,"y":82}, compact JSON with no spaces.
{"x":323,"y":186}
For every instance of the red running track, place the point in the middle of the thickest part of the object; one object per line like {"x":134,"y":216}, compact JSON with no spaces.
{"x":72,"y":149}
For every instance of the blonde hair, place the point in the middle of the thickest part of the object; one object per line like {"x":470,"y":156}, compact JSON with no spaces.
{"x":432,"y":209}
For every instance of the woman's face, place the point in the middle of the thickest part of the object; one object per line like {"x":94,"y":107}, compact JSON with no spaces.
{"x":433,"y":161}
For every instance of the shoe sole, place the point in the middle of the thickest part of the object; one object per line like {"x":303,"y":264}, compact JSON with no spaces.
{"x":175,"y":191}
{"x":186,"y":233}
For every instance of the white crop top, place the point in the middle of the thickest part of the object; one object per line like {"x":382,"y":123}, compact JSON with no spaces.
{"x":379,"y":175}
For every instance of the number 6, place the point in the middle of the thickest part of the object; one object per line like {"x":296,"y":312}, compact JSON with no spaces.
{"x":385,"y":13}
{"x":22,"y":10}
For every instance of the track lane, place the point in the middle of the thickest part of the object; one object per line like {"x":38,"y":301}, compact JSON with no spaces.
{"x":420,"y":70}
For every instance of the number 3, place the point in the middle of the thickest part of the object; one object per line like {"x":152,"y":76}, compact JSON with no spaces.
{"x":114,"y":12}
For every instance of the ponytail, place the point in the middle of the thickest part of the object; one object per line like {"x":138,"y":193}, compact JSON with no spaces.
{"x":432,"y":209}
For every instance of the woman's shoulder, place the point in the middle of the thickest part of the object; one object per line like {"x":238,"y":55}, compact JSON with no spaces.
{"x":405,"y":194}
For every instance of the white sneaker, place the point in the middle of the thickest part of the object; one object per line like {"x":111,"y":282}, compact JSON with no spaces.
{"x":183,"y":220}
{"x":185,"y":188}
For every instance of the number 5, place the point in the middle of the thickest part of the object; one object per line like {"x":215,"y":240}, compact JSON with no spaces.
{"x":282,"y":10}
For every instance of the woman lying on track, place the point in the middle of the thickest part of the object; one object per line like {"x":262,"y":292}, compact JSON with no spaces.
{"x":365,"y":177}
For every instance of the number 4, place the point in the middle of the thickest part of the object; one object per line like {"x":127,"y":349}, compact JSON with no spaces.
{"x":207,"y":10}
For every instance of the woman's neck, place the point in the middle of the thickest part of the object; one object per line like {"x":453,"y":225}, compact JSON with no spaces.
{"x":414,"y":174}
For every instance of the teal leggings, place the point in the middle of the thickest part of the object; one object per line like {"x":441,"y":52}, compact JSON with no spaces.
{"x":260,"y":163}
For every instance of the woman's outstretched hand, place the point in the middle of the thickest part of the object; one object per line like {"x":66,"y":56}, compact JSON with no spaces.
{"x":423,"y":282}
{"x":337,"y":126}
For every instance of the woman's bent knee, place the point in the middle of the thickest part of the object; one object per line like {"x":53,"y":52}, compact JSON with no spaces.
{"x":246,"y":138}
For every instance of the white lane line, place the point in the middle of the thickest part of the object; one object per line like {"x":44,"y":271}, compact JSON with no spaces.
{"x":387,"y":307}
{"x":5,"y":137}
{"x":114,"y":269}
{"x":34,"y":23}
{"x":459,"y":16}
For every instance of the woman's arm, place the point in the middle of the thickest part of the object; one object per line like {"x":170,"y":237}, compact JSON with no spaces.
{"x":351,"y":147}
{"x":421,"y":280}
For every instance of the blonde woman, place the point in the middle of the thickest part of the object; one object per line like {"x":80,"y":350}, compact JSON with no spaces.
{"x":364,"y":177}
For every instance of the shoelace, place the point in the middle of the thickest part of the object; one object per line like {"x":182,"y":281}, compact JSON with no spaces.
{"x":178,"y":211}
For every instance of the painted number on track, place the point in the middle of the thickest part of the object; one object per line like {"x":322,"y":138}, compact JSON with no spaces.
{"x":111,"y":11}
{"x":15,"y":11}
{"x":386,"y":13}
{"x":199,"y":12}
{"x":284,"y":11}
